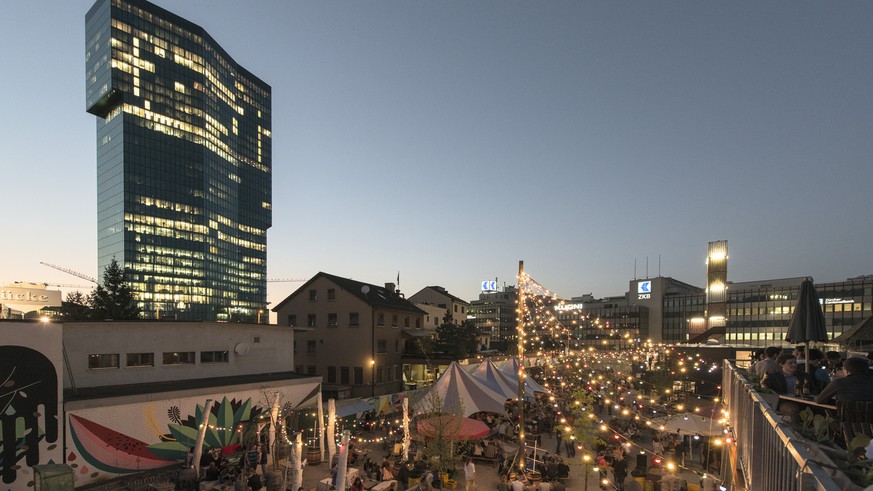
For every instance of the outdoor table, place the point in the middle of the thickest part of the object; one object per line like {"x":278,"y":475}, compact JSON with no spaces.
{"x":808,"y":402}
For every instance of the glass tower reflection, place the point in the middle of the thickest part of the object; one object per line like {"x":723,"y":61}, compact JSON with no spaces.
{"x":183,"y":163}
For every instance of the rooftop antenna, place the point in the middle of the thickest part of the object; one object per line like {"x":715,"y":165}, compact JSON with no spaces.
{"x":635,"y":269}
{"x":659,"y":265}
{"x":647,"y":266}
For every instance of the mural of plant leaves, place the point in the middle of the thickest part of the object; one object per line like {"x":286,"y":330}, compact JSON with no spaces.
{"x":224,"y":421}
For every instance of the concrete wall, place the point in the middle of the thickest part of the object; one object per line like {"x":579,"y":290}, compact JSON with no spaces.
{"x":252,"y":349}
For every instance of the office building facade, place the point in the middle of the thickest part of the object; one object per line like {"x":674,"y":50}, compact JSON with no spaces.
{"x":183,"y":164}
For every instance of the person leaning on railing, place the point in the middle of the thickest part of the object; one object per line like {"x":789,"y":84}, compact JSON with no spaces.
{"x":857,"y":385}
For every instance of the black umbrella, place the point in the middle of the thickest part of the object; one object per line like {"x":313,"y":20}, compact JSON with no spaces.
{"x":808,"y":322}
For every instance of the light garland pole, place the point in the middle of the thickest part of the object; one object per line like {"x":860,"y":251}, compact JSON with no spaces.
{"x":201,"y":435}
{"x":520,"y":357}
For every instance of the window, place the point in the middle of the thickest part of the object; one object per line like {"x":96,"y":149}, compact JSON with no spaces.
{"x":298,"y":369}
{"x":396,"y":345}
{"x":393,"y":320}
{"x":456,"y":309}
{"x":140,"y":359}
{"x":381,"y":346}
{"x":344,"y":375}
{"x":310,"y":370}
{"x":418,"y":323}
{"x":379,"y":376}
{"x":331,"y":375}
{"x":310,"y":320}
{"x":103,"y":361}
{"x":331,"y":294}
{"x":406,"y":321}
{"x":310,"y":346}
{"x":313,"y":295}
{"x":295,"y":346}
{"x":292,"y":320}
{"x":214,"y":357}
{"x":399,"y":372}
{"x":179,"y":358}
{"x":380,"y":319}
{"x":331,"y":320}
{"x":359,"y":375}
{"x":354,"y":320}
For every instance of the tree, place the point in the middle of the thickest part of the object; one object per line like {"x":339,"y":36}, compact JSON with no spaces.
{"x":75,"y":307}
{"x":440,"y":447}
{"x":459,"y":341}
{"x":585,"y":429}
{"x":114,"y":299}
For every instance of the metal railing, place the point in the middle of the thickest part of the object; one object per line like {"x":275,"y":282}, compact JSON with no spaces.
{"x":769,"y":454}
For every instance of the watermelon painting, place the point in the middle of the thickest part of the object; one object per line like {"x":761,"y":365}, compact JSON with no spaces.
{"x":111,"y":451}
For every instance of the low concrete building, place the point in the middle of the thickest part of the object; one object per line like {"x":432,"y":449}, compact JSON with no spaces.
{"x":111,"y":399}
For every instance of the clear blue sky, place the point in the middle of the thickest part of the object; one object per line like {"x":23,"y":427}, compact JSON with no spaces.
{"x":448,"y":140}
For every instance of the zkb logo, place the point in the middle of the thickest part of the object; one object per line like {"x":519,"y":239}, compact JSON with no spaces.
{"x":644,"y":287}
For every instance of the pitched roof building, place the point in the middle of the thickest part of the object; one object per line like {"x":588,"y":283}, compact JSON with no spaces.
{"x":349,"y":332}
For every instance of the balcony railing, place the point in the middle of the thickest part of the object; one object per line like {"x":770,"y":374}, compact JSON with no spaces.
{"x":769,"y":454}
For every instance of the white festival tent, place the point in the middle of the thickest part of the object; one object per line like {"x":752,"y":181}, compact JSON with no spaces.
{"x":491,"y":376}
{"x":459,"y":392}
{"x":510,"y":370}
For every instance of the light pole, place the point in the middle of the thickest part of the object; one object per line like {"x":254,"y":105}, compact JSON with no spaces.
{"x":585,"y":460}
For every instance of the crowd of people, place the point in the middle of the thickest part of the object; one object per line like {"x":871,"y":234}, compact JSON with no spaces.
{"x":815,"y":374}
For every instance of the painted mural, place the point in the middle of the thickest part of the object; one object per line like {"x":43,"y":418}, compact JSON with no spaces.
{"x":28,"y":408}
{"x":117,"y":440}
{"x":30,"y":394}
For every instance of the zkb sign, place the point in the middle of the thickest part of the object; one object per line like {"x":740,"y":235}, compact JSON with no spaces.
{"x":489,"y":286}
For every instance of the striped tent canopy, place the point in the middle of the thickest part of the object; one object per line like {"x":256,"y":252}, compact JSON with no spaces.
{"x":509,"y":368}
{"x":458,"y":392}
{"x":491,"y":376}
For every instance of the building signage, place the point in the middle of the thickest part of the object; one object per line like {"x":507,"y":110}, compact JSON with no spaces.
{"x":26,"y":299}
{"x":489,"y":286}
{"x":644,"y":290}
{"x":833,"y":301}
{"x":569,"y":306}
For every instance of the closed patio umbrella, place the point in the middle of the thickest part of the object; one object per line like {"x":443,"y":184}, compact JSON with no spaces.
{"x":808,"y":322}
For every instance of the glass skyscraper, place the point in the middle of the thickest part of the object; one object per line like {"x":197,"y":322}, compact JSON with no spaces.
{"x":183,"y":163}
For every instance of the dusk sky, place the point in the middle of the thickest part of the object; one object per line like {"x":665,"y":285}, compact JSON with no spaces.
{"x":448,"y":140}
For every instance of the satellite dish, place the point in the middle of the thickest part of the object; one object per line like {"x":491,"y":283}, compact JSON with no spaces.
{"x":365,"y":289}
{"x":241,"y":349}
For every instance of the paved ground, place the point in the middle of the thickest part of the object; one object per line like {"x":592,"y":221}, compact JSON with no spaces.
{"x":488,"y":479}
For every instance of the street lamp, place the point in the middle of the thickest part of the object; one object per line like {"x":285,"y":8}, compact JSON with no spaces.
{"x":585,"y":460}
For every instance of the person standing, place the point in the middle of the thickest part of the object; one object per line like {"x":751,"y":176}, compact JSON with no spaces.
{"x":470,"y":474}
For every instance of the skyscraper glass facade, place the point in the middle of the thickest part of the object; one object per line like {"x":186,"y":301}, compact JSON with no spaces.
{"x":183,"y":163}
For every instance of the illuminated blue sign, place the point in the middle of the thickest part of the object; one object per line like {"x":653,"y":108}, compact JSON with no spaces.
{"x":644,"y":287}
{"x":489,"y":286}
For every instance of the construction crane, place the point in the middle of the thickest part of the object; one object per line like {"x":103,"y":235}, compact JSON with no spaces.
{"x":66,"y":285}
{"x":70,"y":271}
{"x":284,"y":280}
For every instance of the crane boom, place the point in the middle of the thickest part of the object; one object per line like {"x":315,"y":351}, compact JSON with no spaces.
{"x":70,"y":271}
{"x":284,"y":280}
